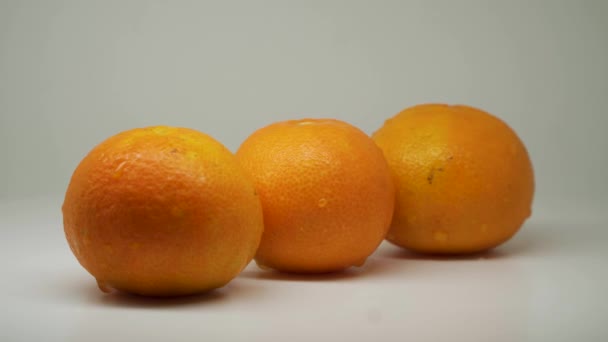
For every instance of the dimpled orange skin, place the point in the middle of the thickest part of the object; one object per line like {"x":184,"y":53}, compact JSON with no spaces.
{"x":464,"y":179}
{"x":162,"y":211}
{"x":326,"y":192}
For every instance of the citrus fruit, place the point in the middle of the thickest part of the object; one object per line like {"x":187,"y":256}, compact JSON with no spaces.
{"x":464,"y":179}
{"x":162,"y":211}
{"x":326,"y":192}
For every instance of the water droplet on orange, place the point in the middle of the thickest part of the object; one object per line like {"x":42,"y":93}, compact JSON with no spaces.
{"x":440,"y":236}
{"x":103,"y":286}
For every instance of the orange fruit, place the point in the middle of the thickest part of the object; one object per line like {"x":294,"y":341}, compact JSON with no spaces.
{"x":162,"y":211}
{"x":464,"y":179}
{"x":326,"y":192}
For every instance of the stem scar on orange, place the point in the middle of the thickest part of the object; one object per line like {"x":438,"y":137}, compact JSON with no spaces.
{"x":464,"y":179}
{"x":162,"y":211}
{"x":326,"y":192}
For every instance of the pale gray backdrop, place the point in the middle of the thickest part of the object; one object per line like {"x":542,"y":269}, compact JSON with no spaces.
{"x":75,"y":72}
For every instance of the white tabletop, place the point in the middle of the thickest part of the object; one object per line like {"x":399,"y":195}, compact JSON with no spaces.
{"x":546,"y":284}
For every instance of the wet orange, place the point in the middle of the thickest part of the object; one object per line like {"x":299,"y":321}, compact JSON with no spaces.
{"x":464,"y":179}
{"x":162,"y":211}
{"x":326,"y":192}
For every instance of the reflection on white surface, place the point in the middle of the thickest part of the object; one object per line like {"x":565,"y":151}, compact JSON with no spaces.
{"x":545,"y":284}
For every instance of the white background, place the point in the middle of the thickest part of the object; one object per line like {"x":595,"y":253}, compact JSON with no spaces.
{"x":73,"y":73}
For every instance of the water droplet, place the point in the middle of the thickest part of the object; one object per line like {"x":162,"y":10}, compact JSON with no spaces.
{"x":322,"y":203}
{"x":262,"y":266}
{"x":360,"y":263}
{"x":118,"y":171}
{"x":440,"y":236}
{"x":103,"y":286}
{"x":484,"y":228}
{"x":177,"y":211}
{"x":108,"y":248}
